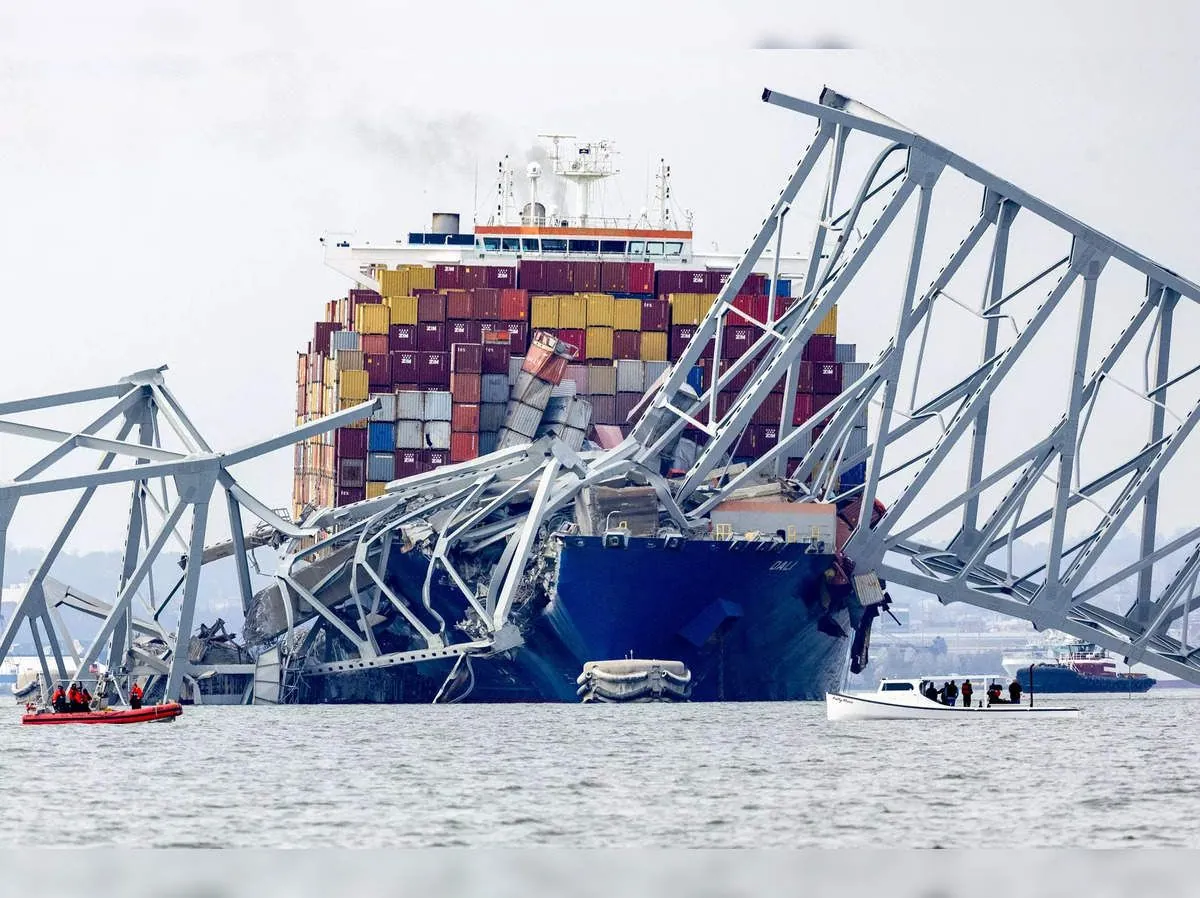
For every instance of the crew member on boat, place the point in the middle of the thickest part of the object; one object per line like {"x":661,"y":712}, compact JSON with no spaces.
{"x":135,"y":696}
{"x":58,"y":699}
{"x":86,"y":698}
{"x":1014,"y":692}
{"x":967,"y":690}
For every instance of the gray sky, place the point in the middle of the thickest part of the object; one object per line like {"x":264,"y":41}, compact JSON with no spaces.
{"x":166,"y":172}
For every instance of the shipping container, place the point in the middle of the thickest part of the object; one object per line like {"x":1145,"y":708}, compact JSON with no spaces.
{"x":348,"y":495}
{"x":530,"y":389}
{"x":495,"y":387}
{"x":827,"y":377}
{"x":458,"y":305}
{"x":599,"y":342}
{"x":431,"y":337}
{"x":353,"y":385}
{"x":487,"y":442}
{"x":485,"y":304}
{"x":604,"y":409}
{"x":681,"y":335}
{"x":464,"y":446}
{"x":437,"y":434}
{"x":514,"y":305}
{"x":470,"y":276}
{"x":630,"y":376}
{"x":372,"y":318}
{"x":654,"y":371}
{"x":407,"y":463}
{"x":852,"y":371}
{"x":410,"y":435}
{"x":820,"y":348}
{"x":625,"y":406}
{"x":379,"y":371}
{"x":585,"y":276}
{"x":462,"y":332}
{"x":685,"y":308}
{"x":381,"y":437}
{"x":348,"y":360}
{"x":572,"y":312}
{"x":737,"y":340}
{"x":547,"y":358}
{"x":352,"y":471}
{"x":515,"y":364}
{"x":467,"y":387}
{"x":626,"y":345}
{"x":431,"y":308}
{"x":576,"y":338}
{"x":446,"y":277}
{"x":381,"y":466}
{"x":531,"y":274}
{"x":846,"y":352}
{"x":403,"y":309}
{"x":464,"y":417}
{"x":374,"y":344}
{"x":350,"y":442}
{"x":518,"y":333}
{"x":437,"y":406}
{"x":855,"y":476}
{"x":523,"y":419}
{"x":602,"y":380}
{"x":491,"y":416}
{"x":501,"y":276}
{"x":466,"y":358}
{"x":321,"y":334}
{"x":579,"y":415}
{"x":544,"y":312}
{"x":655,"y":315}
{"x":360,"y":296}
{"x":613,"y":277}
{"x":387,"y":407}
{"x":344,"y":339}
{"x":653,"y":346}
{"x":402,"y":337}
{"x":600,"y":310}
{"x":639,"y":277}
{"x":556,"y":410}
{"x":828,"y":325}
{"x":495,"y":358}
{"x":558,"y":276}
{"x":506,"y":439}
{"x":578,"y":375}
{"x":405,"y":369}
{"x":770,"y":410}
{"x":433,"y":369}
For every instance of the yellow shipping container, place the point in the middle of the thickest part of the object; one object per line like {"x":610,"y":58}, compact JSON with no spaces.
{"x":375,"y":488}
{"x":828,"y":327}
{"x":544,"y":312}
{"x":346,"y":403}
{"x":403,"y":309}
{"x":685,"y":308}
{"x":316,"y":399}
{"x":599,"y":342}
{"x":353,"y":385}
{"x":329,"y":375}
{"x":654,"y":346}
{"x":372,"y":318}
{"x":599,"y":310}
{"x":704,"y":302}
{"x":420,"y":277}
{"x":627,"y":314}
{"x":572,"y":312}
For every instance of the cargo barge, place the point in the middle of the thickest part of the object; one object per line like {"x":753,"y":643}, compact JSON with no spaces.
{"x":539,"y":325}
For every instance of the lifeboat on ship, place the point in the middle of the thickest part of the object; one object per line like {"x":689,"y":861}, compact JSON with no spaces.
{"x":144,"y":714}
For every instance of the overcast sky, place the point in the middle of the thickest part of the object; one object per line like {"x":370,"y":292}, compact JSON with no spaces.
{"x":166,"y":169}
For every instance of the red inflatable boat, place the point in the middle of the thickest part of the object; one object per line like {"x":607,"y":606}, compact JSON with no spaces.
{"x":144,"y":714}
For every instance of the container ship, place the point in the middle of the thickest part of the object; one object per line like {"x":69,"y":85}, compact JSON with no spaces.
{"x":542,"y":323}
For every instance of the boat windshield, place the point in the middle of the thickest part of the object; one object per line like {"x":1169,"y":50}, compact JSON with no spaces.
{"x":897,"y":687}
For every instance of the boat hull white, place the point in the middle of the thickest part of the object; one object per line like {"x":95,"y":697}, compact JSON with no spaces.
{"x":845,"y":706}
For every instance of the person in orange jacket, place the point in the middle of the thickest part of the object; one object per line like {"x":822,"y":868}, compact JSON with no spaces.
{"x":58,"y":699}
{"x":73,"y":698}
{"x":135,"y":696}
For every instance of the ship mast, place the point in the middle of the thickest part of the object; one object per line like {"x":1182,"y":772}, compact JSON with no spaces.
{"x":584,"y":165}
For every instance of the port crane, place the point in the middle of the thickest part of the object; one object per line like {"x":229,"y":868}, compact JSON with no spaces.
{"x":1037,"y":384}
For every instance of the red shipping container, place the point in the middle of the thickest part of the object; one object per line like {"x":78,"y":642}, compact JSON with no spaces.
{"x":446,"y":277}
{"x":577,"y":338}
{"x":465,"y":387}
{"x":433,"y":369}
{"x":373,"y":344}
{"x":458,"y":304}
{"x":740,"y":379}
{"x":431,"y":337}
{"x":809,"y":404}
{"x":431,"y":307}
{"x":614,"y":277}
{"x":604,"y":409}
{"x":531,"y":274}
{"x":357,"y":297}
{"x":769,"y":410}
{"x":466,"y":358}
{"x":544,"y":364}
{"x":514,"y":305}
{"x":348,"y":495}
{"x":408,"y":462}
{"x":557,"y":276}
{"x":518,"y":335}
{"x":495,"y":358}
{"x":321,"y":333}
{"x":827,"y":377}
{"x":434,"y":458}
{"x":402,"y":337}
{"x":681,"y":335}
{"x":639,"y":277}
{"x":350,"y":442}
{"x":464,"y":446}
{"x":501,"y":276}
{"x":737,"y":341}
{"x":754,"y":306}
{"x":625,"y":405}
{"x":379,"y":370}
{"x":464,"y":417}
{"x":820,"y":348}
{"x":485,"y":304}
{"x":404,"y":367}
{"x":656,"y":315}
{"x":627,"y":345}
{"x":462,"y":332}
{"x":585,"y":277}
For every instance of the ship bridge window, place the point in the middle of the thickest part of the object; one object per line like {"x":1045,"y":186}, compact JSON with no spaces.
{"x":554,"y":246}
{"x":674,"y":247}
{"x":612,"y":246}
{"x":585,"y":246}
{"x":654,"y":247}
{"x":436,"y":239}
{"x":511,"y":245}
{"x":416,"y":238}
{"x":459,"y":239}
{"x":529,"y":244}
{"x":492,"y":244}
{"x":637,"y":247}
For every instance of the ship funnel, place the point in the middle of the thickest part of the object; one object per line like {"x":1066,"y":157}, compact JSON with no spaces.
{"x":445,"y":223}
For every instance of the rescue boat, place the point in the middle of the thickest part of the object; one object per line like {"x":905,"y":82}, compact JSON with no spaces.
{"x":144,"y":714}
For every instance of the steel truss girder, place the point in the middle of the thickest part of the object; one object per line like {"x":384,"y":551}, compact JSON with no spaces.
{"x":185,"y":481}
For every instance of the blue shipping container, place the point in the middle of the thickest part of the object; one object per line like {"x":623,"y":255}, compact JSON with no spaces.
{"x":381,"y":437}
{"x":784,"y":288}
{"x":695,"y":378}
{"x":855,"y":476}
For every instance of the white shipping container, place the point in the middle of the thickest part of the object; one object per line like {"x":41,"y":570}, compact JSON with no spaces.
{"x":514,"y":367}
{"x":655,"y":370}
{"x":506,"y":439}
{"x":845,"y":352}
{"x":409,"y":435}
{"x":437,"y":408}
{"x":410,"y":406}
{"x":685,"y":454}
{"x":557,"y":409}
{"x":386,"y":410}
{"x":579,"y":416}
{"x":381,"y":466}
{"x":631,"y":376}
{"x":344,"y":340}
{"x":493,"y":388}
{"x":437,"y":434}
{"x":522,"y":419}
{"x":852,"y":371}
{"x":532,"y":391}
{"x":573,"y":437}
{"x":566,"y":388}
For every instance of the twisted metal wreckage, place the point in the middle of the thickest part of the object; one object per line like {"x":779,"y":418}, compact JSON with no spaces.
{"x":331,"y":579}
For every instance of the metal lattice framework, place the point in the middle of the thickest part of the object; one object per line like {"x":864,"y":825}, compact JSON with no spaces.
{"x":167,"y":485}
{"x":1097,"y":406}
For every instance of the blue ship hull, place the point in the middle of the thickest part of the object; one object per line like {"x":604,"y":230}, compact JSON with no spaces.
{"x":1056,"y":678}
{"x":742,"y":617}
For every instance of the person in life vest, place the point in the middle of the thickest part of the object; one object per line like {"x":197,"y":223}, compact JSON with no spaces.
{"x":967,"y":690}
{"x":135,"y":696}
{"x":1014,"y":692}
{"x":86,"y":698}
{"x":993,"y":693}
{"x":73,"y":698}
{"x":58,"y":699}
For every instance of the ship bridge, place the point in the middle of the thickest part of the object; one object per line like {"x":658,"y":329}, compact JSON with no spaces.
{"x":1032,"y":391}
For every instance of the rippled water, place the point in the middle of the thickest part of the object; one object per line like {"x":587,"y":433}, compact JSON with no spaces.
{"x":1125,"y":773}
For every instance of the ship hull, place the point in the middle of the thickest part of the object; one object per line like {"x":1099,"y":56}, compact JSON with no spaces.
{"x":742,"y":616}
{"x":1053,"y":678}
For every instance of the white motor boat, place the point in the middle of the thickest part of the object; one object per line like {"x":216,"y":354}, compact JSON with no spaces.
{"x":906,"y":700}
